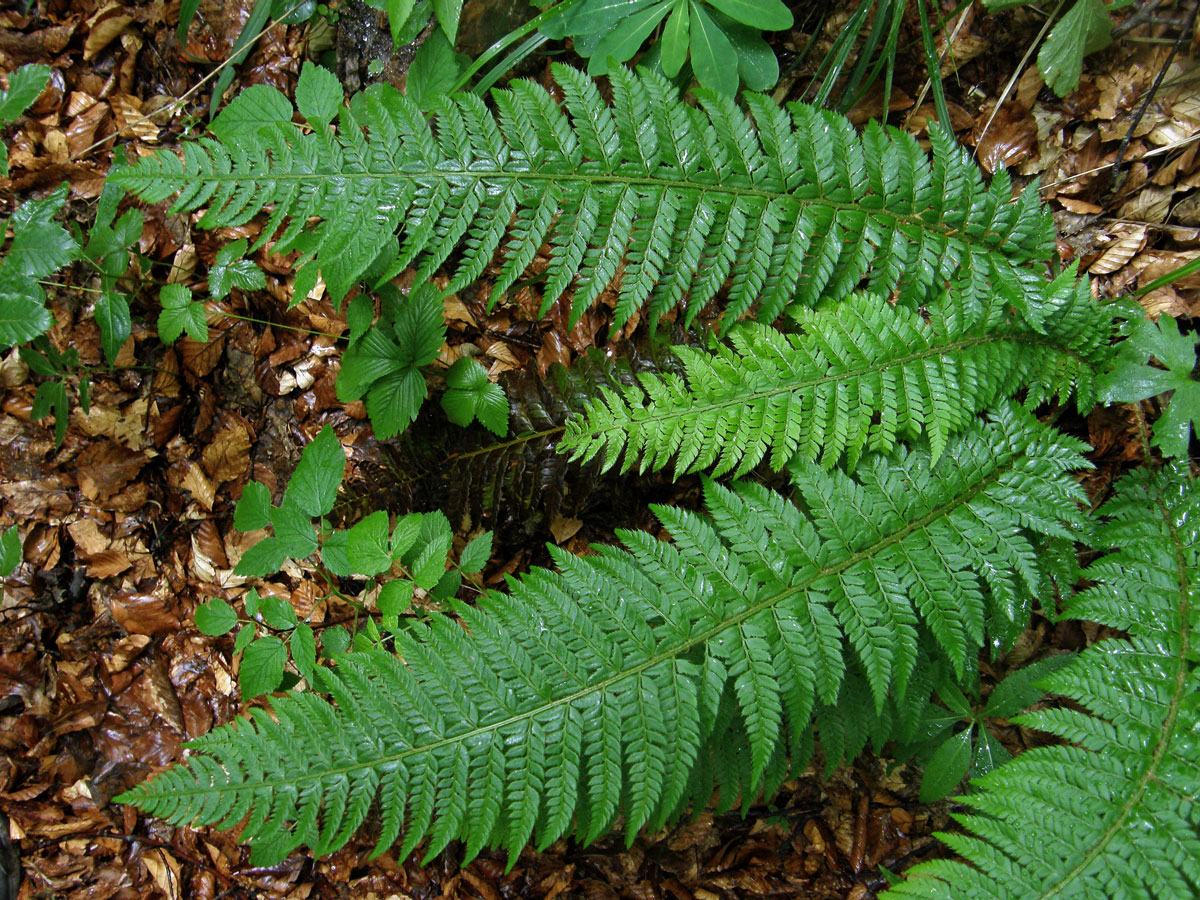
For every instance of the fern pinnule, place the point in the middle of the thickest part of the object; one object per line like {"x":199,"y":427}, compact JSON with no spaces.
{"x":1115,"y":813}
{"x":858,"y":378}
{"x":790,"y":206}
{"x":589,"y":692}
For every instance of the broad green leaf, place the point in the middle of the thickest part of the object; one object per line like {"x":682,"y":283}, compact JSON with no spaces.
{"x":989,"y":754}
{"x":430,"y":563}
{"x":398,"y":12}
{"x":334,"y":556}
{"x":627,"y":37}
{"x":394,"y":402}
{"x":24,"y":86}
{"x":492,"y":409}
{"x":476,"y":554}
{"x":23,"y":314}
{"x":318,"y":94}
{"x":229,"y":270}
{"x":447,"y":586}
{"x":1086,"y":28}
{"x":10,"y":551}
{"x":471,"y":395}
{"x":51,"y":397}
{"x":277,"y":612}
{"x":40,"y":246}
{"x":408,"y":529}
{"x":264,"y":558}
{"x":374,"y":357}
{"x":758,"y":65}
{"x":713,"y":58}
{"x":947,"y":767}
{"x":368,"y":547}
{"x":359,"y":315}
{"x":304,"y":651}
{"x":253,"y":510}
{"x":1130,"y":380}
{"x":433,"y":72}
{"x":112,"y":315}
{"x":250,"y":110}
{"x":766,"y":15}
{"x":421,"y":326}
{"x":334,"y":641}
{"x":395,"y":597}
{"x":244,"y":636}
{"x":675,"y":38}
{"x":180,"y":313}
{"x":313,"y":486}
{"x":294,"y":530}
{"x":215,"y":617}
{"x":262,"y":667}
{"x":448,"y":12}
{"x":1019,"y":689}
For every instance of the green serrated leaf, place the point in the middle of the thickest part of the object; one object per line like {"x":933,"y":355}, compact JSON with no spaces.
{"x":394,"y":402}
{"x":447,"y":586}
{"x":434,"y":70}
{"x":304,"y":651}
{"x":408,"y":529}
{"x":23,"y":313}
{"x":430,"y":563}
{"x":334,"y":556}
{"x":261,"y":670}
{"x":334,"y":641}
{"x":368,"y":546}
{"x":255,"y":107}
{"x":989,"y":754}
{"x":318,"y":94}
{"x":215,"y":617}
{"x":244,"y":636}
{"x":293,"y":530}
{"x":264,"y":558}
{"x":10,"y":551}
{"x":24,"y":86}
{"x":277,"y":612}
{"x":1131,"y":380}
{"x":253,"y":510}
{"x":359,"y":315}
{"x":229,"y":270}
{"x":398,"y":12}
{"x":1019,"y":690}
{"x":112,"y":315}
{"x":40,"y":246}
{"x":314,"y":485}
{"x":947,"y":767}
{"x":476,"y":554}
{"x":395,"y":597}
{"x":1085,"y":28}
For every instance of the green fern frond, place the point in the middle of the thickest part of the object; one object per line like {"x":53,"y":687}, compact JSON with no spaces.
{"x":859,"y":377}
{"x":789,"y":206}
{"x":1115,"y":814}
{"x":589,"y":692}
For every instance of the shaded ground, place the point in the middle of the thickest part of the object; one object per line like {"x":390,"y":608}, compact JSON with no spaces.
{"x":127,"y":527}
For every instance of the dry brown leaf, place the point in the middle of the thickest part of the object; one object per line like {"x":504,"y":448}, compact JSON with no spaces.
{"x":1127,"y":241}
{"x":143,"y":613}
{"x":103,"y":29}
{"x":227,"y":458}
{"x":105,"y":467}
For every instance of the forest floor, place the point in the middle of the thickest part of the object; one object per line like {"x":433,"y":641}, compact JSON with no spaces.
{"x":127,"y":526}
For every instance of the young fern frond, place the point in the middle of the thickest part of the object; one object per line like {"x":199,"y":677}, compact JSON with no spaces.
{"x":789,"y":206}
{"x":860,"y":376}
{"x":592,"y":691}
{"x":1115,"y":814}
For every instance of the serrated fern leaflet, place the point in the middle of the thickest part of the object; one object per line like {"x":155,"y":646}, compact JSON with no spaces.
{"x":788,"y":206}
{"x":1115,"y":813}
{"x":591,"y":691}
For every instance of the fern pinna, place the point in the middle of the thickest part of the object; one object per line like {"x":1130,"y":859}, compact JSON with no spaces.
{"x":860,"y":375}
{"x":594,"y":690}
{"x":789,"y":206}
{"x":1115,"y":814}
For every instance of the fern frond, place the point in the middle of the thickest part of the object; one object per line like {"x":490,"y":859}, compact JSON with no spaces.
{"x":860,"y":376}
{"x":1115,"y":814}
{"x":590,"y":692}
{"x":790,"y":206}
